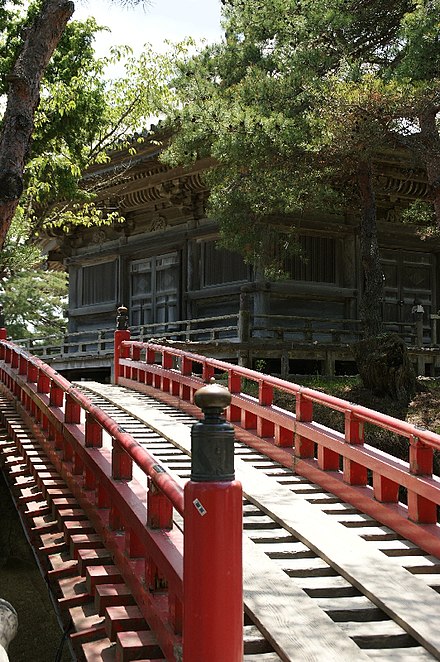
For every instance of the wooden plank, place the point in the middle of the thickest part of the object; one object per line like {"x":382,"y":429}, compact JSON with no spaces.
{"x":293,"y":623}
{"x":380,"y":578}
{"x":262,"y":657}
{"x":412,"y":654}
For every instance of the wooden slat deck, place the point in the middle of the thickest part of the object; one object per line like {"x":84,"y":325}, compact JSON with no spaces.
{"x":280,"y":607}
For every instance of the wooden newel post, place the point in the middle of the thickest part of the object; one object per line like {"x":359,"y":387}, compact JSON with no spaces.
{"x":3,"y":332}
{"x":122,"y":333}
{"x":212,"y":556}
{"x":244,"y":318}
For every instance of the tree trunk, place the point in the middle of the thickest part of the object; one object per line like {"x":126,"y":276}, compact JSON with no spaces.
{"x":431,"y":153}
{"x":372,"y":295}
{"x":385,"y":367}
{"x":382,"y":359}
{"x":40,"y":41}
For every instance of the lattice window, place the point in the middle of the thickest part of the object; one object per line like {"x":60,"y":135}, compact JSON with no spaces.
{"x":315,"y":262}
{"x":220,"y":266}
{"x":98,"y":283}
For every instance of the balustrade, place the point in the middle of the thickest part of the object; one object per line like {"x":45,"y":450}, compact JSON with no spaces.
{"x":344,"y":459}
{"x":108,"y":472}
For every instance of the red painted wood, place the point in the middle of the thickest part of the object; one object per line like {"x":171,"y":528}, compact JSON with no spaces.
{"x":159,"y":508}
{"x":213,"y":628}
{"x":123,"y":618}
{"x":111,"y":503}
{"x":137,"y":646}
{"x":107,"y":595}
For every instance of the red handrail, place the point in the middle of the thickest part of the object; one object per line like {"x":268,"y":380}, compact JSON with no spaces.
{"x":362,"y":413}
{"x":66,"y":420}
{"x":340,"y":462}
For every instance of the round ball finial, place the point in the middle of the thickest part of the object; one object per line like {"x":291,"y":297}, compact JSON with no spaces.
{"x":212,"y":396}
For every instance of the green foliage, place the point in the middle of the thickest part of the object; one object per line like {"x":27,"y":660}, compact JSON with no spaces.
{"x":421,"y":214}
{"x":33,"y":297}
{"x":82,"y":115}
{"x":295,"y":98}
{"x":34,"y":303}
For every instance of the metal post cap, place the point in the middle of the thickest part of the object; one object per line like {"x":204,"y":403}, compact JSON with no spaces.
{"x":212,"y":397}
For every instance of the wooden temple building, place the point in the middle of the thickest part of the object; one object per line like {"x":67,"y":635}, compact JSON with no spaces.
{"x":164,"y":264}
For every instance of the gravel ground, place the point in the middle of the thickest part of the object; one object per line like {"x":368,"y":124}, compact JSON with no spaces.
{"x":39,"y":634}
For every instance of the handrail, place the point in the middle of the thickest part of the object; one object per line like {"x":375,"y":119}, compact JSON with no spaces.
{"x":144,"y":460}
{"x":341,"y":462}
{"x":74,"y":433}
{"x":362,"y":413}
{"x":258,"y":324}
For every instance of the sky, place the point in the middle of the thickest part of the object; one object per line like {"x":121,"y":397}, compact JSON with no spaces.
{"x":157,"y":21}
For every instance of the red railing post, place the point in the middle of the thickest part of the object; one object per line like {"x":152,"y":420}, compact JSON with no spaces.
{"x":23,"y":364}
{"x":2,"y":346}
{"x":93,"y":432}
{"x":185,"y":370}
{"x":265,"y":428}
{"x":304,"y":412}
{"x":354,"y":473}
{"x":420,"y":509}
{"x":234,"y":385}
{"x":159,"y":508}
{"x":122,"y":333}
{"x":3,"y":331}
{"x":212,"y":558}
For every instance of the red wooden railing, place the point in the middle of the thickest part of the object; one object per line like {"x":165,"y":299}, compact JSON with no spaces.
{"x":135,"y":523}
{"x":343,"y":464}
{"x":97,"y":460}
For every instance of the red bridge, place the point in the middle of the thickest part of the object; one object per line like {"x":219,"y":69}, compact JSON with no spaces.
{"x":156,"y":555}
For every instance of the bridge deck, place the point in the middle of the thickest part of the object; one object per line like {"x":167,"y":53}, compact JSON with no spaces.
{"x":321,"y":579}
{"x":296,"y":537}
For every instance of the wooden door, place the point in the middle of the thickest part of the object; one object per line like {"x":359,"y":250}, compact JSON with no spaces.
{"x":154,"y":283}
{"x":409,"y":280}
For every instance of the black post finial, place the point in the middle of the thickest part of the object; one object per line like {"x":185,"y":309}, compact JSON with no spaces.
{"x":212,"y":440}
{"x":122,"y":318}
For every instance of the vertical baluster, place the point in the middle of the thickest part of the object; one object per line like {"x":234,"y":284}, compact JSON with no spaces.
{"x":72,"y":410}
{"x":265,"y":428}
{"x":207,"y":371}
{"x":14,"y":358}
{"x":150,"y":358}
{"x":23,"y":365}
{"x":43,"y":382}
{"x":93,"y":432}
{"x":385,"y":490}
{"x":283,"y":436}
{"x":122,"y":464}
{"x":304,"y":413}
{"x":56,"y":398}
{"x":159,"y":516}
{"x":186,"y":370}
{"x":354,"y":473}
{"x":32,"y":374}
{"x":167,"y":364}
{"x":233,"y":412}
{"x":135,"y":356}
{"x":420,"y":509}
